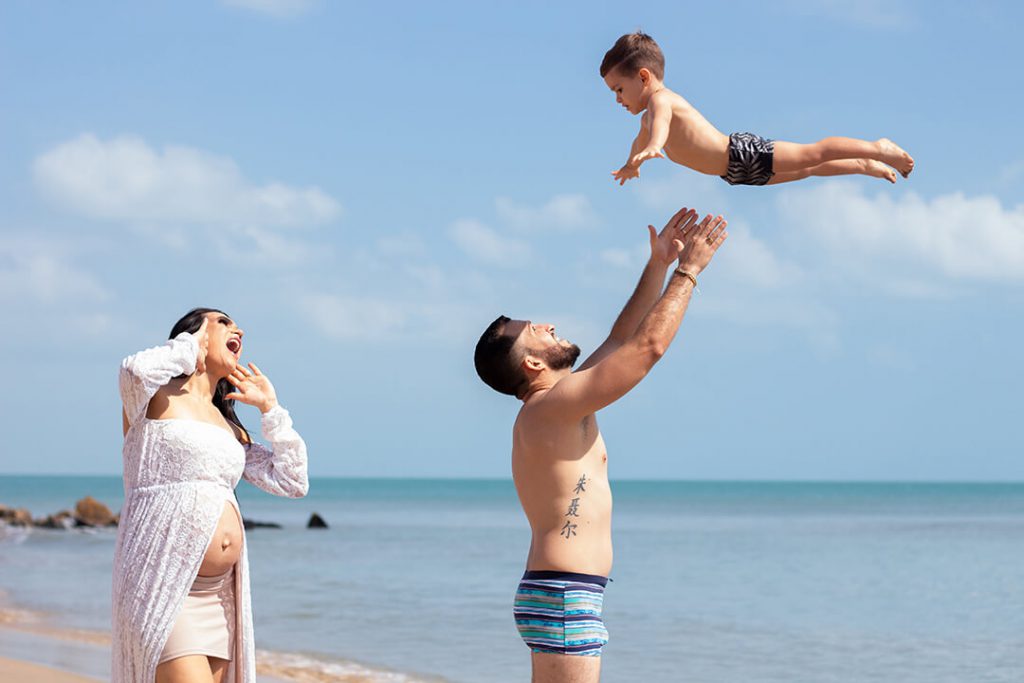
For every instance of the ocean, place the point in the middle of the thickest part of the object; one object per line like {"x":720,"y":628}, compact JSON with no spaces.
{"x":713,"y":581}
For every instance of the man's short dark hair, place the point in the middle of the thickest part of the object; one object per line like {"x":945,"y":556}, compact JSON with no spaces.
{"x":496,"y":361}
{"x":632,"y":52}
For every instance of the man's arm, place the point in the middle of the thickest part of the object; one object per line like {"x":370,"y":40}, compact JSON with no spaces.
{"x":663,"y":255}
{"x":587,"y":391}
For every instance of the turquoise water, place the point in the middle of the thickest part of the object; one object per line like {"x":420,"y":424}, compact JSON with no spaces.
{"x":712,"y":581}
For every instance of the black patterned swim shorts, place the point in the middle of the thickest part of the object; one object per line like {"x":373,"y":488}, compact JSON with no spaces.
{"x":750,"y":160}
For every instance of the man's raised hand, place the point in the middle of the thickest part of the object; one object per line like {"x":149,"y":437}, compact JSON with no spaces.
{"x":663,"y":245}
{"x":699,"y":242}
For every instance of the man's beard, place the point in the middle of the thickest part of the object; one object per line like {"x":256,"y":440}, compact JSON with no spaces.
{"x":560,"y":357}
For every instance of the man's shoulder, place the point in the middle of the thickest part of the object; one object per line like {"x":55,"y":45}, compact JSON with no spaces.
{"x":546,"y":411}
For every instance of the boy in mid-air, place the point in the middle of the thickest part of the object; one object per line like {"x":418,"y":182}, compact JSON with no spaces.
{"x":634,"y":69}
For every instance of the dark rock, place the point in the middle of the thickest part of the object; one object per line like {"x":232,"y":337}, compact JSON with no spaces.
{"x":316,"y":522}
{"x":253,"y":524}
{"x":91,"y":512}
{"x":61,"y":520}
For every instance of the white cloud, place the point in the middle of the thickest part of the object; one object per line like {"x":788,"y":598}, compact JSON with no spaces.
{"x":347,"y":317}
{"x":40,"y":273}
{"x":265,"y":247}
{"x":794,"y":310}
{"x":486,"y":245}
{"x":746,"y":260}
{"x":126,"y":180}
{"x":620,"y":258}
{"x":682,"y":188}
{"x":275,"y":8}
{"x":561,"y":212}
{"x":951,"y":235}
{"x":873,"y":14}
{"x":1011,"y":174}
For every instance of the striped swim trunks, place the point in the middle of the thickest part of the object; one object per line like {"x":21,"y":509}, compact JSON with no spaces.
{"x":560,"y":612}
{"x":751,"y":158}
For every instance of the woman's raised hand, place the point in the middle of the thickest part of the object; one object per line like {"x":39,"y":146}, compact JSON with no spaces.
{"x":203,"y":339}
{"x":252,"y":387}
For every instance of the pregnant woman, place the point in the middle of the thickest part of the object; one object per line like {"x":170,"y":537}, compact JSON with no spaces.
{"x":181,"y":607}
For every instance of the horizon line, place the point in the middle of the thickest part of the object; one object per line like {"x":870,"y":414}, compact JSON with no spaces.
{"x":617,"y":479}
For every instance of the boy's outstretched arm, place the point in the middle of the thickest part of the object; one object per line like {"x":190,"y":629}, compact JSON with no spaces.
{"x":628,"y":171}
{"x":659,"y":108}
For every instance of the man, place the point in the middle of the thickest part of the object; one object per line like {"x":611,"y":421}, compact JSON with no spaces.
{"x":559,"y":462}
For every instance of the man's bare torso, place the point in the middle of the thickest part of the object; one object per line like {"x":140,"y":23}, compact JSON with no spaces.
{"x":692,"y":140}
{"x":560,"y":469}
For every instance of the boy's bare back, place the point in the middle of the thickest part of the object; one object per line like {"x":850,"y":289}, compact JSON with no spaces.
{"x":692,"y":140}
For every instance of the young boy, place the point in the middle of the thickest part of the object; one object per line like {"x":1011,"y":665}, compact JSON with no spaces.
{"x":634,"y":69}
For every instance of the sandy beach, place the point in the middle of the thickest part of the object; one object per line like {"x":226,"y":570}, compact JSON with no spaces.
{"x":35,"y":650}
{"x":17,"y":671}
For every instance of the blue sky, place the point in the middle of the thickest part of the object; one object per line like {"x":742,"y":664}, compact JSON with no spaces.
{"x":365,"y":188}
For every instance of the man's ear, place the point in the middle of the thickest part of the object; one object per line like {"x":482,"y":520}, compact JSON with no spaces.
{"x":645,"y":75}
{"x":532,"y":364}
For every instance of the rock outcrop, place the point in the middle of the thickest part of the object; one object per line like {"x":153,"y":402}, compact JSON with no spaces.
{"x":62,"y":520}
{"x":316,"y":522}
{"x":15,"y":516}
{"x":253,"y":524}
{"x":91,"y":512}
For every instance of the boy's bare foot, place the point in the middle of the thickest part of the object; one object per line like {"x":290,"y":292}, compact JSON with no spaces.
{"x":877,"y":169}
{"x":894,"y":155}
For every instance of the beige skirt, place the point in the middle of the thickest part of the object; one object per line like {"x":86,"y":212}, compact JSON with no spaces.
{"x":206,"y":623}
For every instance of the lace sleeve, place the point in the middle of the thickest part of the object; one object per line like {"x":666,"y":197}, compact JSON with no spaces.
{"x":281,"y":471}
{"x":146,"y":371}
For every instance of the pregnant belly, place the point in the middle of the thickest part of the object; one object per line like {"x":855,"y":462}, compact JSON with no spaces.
{"x":226,"y":545}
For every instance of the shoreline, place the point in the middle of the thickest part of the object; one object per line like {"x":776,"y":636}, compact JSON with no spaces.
{"x":61,"y":654}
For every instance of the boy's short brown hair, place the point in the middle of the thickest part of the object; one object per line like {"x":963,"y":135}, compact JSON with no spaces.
{"x":632,"y":52}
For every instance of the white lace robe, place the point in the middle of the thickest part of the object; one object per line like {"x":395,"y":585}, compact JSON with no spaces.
{"x":178,"y":474}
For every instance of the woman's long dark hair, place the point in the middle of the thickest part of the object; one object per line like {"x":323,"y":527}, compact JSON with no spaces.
{"x":191,"y":322}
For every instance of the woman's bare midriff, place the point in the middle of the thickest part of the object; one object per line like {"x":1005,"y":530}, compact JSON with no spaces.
{"x":226,"y":545}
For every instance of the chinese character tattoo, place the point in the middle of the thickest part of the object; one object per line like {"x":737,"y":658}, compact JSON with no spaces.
{"x":569,"y":530}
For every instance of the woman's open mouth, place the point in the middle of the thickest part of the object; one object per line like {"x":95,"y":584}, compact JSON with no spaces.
{"x":235,"y":346}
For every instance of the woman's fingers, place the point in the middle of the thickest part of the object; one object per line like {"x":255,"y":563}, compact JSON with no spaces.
{"x":255,"y":370}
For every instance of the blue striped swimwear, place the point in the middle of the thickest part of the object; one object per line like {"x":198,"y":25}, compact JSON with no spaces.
{"x":560,"y":612}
